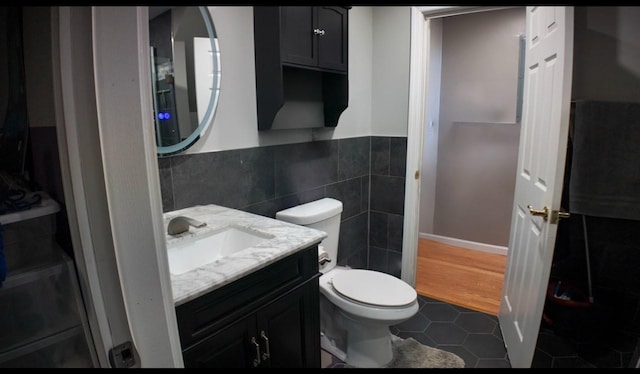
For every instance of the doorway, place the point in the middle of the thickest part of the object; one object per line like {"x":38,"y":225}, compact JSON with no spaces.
{"x":540,"y":170}
{"x":472,"y":128}
{"x":471,"y":132}
{"x":608,"y":32}
{"x":471,"y":137}
{"x":482,"y":112}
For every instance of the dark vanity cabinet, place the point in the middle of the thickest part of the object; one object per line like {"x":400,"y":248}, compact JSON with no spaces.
{"x":269,"y":319}
{"x":301,"y":56}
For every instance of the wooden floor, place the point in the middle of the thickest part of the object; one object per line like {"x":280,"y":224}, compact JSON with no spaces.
{"x":459,"y":276}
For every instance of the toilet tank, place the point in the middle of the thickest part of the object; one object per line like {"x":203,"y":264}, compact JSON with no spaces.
{"x":323,"y":215}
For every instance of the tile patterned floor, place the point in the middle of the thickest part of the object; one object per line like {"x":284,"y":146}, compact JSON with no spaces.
{"x":583,"y":339}
{"x":473,"y":336}
{"x":477,"y":339}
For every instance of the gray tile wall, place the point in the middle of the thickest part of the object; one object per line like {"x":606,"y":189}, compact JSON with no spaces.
{"x":613,"y":322}
{"x":388,"y":166}
{"x":614,"y":259}
{"x":365,"y":173}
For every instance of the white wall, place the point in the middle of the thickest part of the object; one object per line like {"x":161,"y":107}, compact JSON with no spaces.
{"x":391,"y":45}
{"x":378,"y":81}
{"x":356,"y":119}
{"x":235,"y":122}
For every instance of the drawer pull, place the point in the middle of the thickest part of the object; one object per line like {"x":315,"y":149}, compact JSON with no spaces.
{"x":256,"y":361}
{"x":266,"y":354}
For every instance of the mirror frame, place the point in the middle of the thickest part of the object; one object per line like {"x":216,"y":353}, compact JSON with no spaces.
{"x":207,"y":119}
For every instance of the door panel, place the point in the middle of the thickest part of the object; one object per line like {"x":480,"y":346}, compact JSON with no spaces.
{"x":229,"y":348}
{"x":333,"y":44}
{"x":289,"y":329}
{"x":541,"y":161}
{"x":299,"y":44}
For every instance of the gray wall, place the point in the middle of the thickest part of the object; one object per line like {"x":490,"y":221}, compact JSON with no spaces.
{"x":390,"y":79}
{"x":45,"y":169}
{"x":478,"y":137}
{"x":365,"y":173}
{"x":429,"y":172}
{"x":606,"y":54}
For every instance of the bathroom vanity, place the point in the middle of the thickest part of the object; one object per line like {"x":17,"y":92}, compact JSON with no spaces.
{"x":255,"y":307}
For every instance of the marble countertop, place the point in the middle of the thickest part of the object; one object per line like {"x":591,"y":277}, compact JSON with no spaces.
{"x":287,"y":239}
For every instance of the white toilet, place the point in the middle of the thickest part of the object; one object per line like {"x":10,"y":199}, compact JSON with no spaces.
{"x":357,"y":306}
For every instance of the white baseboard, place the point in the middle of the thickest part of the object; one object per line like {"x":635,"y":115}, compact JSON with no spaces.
{"x":476,"y":246}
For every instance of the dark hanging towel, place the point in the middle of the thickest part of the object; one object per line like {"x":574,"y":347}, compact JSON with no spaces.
{"x":605,"y":168}
{"x":3,"y":263}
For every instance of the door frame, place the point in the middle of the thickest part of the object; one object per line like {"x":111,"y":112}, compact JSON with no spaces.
{"x":417,"y":114}
{"x":80,"y":169}
{"x":132,"y":182}
{"x":110,"y":176}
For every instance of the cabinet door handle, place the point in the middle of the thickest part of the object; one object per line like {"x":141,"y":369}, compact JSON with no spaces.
{"x":318,"y":32}
{"x":266,"y":354}
{"x":256,"y":361}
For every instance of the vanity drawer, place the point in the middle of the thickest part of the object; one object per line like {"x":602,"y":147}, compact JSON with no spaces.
{"x":198,"y":318}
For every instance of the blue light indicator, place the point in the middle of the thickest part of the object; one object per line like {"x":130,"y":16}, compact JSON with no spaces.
{"x":164,"y":115}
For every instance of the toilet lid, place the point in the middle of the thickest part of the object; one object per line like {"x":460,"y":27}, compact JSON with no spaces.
{"x":373,"y":287}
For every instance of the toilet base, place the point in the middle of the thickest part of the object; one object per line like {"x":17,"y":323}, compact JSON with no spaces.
{"x":329,"y":346}
{"x":369,"y":345}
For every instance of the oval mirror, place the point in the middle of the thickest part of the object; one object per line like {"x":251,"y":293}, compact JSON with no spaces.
{"x":185,"y":75}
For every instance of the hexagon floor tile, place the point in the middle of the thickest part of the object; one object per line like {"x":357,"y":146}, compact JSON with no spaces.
{"x":473,"y":336}
{"x":476,"y":338}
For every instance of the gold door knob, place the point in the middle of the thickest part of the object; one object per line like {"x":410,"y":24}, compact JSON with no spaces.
{"x":544,"y":212}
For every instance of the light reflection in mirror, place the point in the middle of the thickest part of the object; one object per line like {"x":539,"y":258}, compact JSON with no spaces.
{"x":185,"y":69}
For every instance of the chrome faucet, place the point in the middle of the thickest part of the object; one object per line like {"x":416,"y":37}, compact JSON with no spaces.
{"x":181,"y":224}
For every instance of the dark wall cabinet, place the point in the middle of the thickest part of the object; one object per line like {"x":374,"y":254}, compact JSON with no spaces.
{"x":301,"y":55}
{"x":267,"y":319}
{"x":315,"y":37}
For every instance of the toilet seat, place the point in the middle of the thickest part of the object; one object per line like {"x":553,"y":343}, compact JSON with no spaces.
{"x":368,"y":312}
{"x":373,"y":288}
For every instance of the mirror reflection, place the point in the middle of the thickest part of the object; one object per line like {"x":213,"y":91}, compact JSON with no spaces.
{"x":185,"y":75}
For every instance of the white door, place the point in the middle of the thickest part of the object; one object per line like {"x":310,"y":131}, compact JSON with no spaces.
{"x":110,"y":175}
{"x":541,"y":159}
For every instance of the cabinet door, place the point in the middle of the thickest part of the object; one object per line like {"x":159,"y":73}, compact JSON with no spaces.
{"x":231,"y":347}
{"x":333,"y":41}
{"x":289,"y":329}
{"x":298,"y":42}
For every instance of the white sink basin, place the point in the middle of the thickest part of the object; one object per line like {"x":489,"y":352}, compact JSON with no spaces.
{"x":186,"y":255}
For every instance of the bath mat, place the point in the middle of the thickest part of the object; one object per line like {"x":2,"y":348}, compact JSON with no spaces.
{"x":409,"y":353}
